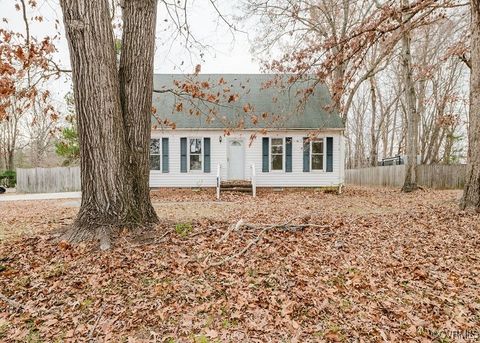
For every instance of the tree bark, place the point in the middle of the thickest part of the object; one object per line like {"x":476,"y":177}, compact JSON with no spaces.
{"x":410,"y":183}
{"x":449,"y":141}
{"x":10,"y":159}
{"x":471,"y":192}
{"x":110,"y":198}
{"x":394,"y":126}
{"x":136,"y":89}
{"x":373,"y":130}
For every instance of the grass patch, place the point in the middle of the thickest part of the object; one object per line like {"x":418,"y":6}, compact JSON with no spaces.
{"x":4,"y":325}
{"x":183,"y":229}
{"x":56,"y":270}
{"x":202,"y":339}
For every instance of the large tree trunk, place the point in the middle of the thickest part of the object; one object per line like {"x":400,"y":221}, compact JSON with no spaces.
{"x":136,"y":87}
{"x":471,"y":192}
{"x":410,"y":183}
{"x":110,"y":198}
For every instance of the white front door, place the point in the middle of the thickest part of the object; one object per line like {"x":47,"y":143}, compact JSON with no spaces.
{"x":236,"y":159}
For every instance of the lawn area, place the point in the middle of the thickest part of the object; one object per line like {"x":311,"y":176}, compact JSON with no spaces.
{"x":369,"y":265}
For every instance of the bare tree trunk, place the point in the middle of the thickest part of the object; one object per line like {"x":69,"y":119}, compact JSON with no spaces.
{"x":2,"y":158}
{"x":373,"y":131}
{"x":394,"y":127}
{"x":136,"y":87}
{"x":449,"y":141}
{"x":410,"y":183}
{"x":471,"y":192}
{"x":110,"y":198}
{"x":350,"y":164}
{"x":420,"y":111}
{"x":10,"y":159}
{"x":103,"y":153}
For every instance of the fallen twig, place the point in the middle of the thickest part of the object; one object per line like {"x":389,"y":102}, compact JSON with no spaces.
{"x":232,"y":228}
{"x":92,"y":331}
{"x":287,"y":226}
{"x":202,"y":232}
{"x":164,"y":235}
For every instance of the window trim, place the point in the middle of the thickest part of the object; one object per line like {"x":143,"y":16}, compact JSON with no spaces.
{"x":159,"y":139}
{"x":324,"y":155}
{"x":200,"y":154}
{"x":270,"y":155}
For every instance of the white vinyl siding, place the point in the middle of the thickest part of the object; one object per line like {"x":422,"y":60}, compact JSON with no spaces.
{"x":253,"y":155}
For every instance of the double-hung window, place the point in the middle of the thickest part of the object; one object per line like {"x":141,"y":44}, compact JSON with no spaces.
{"x":276,"y":154}
{"x":317,"y":154}
{"x":195,"y":153}
{"x":155,"y":156}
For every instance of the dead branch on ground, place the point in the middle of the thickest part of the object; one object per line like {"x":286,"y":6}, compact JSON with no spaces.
{"x":287,"y":226}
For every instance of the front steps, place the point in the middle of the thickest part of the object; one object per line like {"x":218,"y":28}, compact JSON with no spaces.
{"x":240,"y":186}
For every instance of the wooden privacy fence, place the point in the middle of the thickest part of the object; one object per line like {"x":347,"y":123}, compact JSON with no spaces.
{"x":438,"y":176}
{"x":48,"y":180}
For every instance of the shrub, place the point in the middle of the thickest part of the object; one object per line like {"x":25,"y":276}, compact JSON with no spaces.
{"x":68,"y":147}
{"x":8,"y":178}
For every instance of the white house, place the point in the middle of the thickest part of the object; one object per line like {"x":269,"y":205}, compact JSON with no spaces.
{"x":277,"y":134}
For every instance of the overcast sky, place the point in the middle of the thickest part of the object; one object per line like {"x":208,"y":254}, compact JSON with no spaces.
{"x":226,"y":53}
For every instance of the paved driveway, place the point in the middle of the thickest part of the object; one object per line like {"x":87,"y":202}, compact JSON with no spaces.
{"x":39,"y":196}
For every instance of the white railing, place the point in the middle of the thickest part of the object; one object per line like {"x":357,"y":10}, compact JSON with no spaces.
{"x":219,"y":170}
{"x":254,"y":181}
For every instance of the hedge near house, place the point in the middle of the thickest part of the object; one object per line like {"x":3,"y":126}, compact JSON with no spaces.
{"x":8,"y":178}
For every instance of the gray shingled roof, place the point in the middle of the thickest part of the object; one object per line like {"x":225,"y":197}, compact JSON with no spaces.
{"x":279,"y":106}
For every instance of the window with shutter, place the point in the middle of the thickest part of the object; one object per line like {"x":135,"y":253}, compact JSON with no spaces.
{"x":317,"y":154}
{"x":195,"y":154}
{"x":155,"y":154}
{"x":276,"y":155}
{"x":265,"y":157}
{"x":165,"y":157}
{"x":329,"y":154}
{"x":306,"y":154}
{"x":183,"y":155}
{"x":206,"y":154}
{"x":288,"y":154}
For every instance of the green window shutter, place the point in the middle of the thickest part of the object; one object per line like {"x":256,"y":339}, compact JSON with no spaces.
{"x":265,"y":147}
{"x":165,"y":161}
{"x":206,"y":155}
{"x":329,"y":154}
{"x":183,"y":155}
{"x":306,"y":154}
{"x":288,"y":154}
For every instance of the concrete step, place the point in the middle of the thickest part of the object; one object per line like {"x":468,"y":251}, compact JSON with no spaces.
{"x":249,"y":185}
{"x":236,"y":183}
{"x":237,"y":189}
{"x":240,"y":186}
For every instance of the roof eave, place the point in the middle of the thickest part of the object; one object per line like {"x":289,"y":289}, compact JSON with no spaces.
{"x":249,"y":129}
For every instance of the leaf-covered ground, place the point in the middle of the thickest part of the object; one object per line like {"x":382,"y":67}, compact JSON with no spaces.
{"x":378,"y":266}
